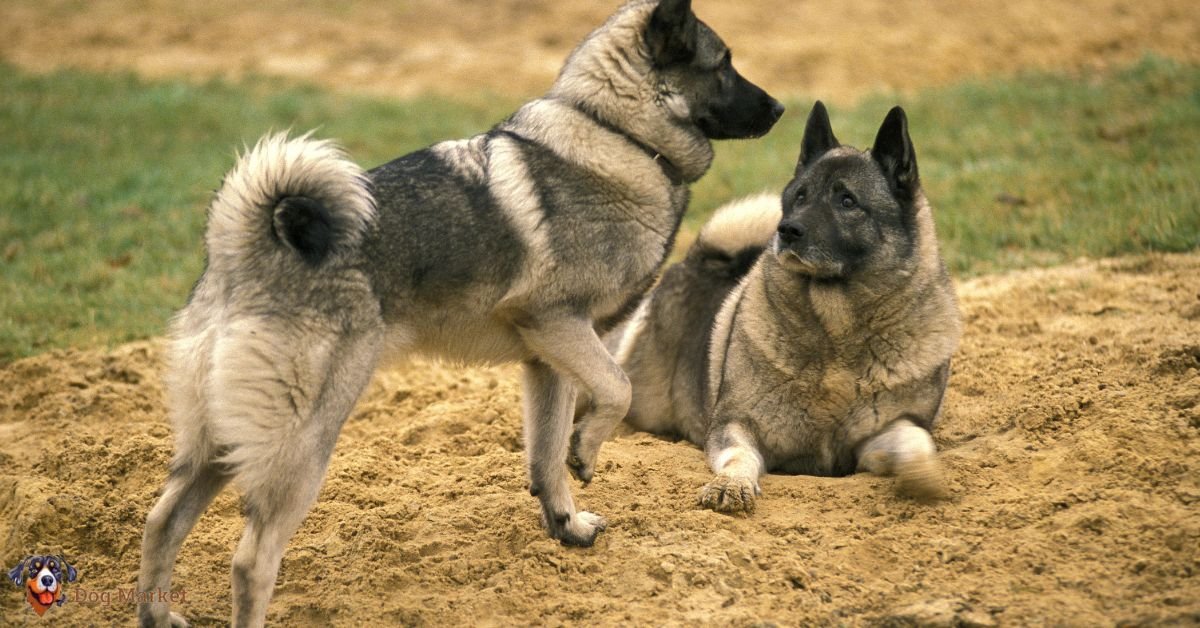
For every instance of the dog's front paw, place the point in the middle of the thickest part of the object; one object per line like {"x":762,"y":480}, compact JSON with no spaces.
{"x":730,"y":493}
{"x":581,"y":460}
{"x":177,"y":621}
{"x":578,"y":530}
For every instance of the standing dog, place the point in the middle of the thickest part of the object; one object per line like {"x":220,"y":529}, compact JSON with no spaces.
{"x":828,"y":327}
{"x":514,"y":245}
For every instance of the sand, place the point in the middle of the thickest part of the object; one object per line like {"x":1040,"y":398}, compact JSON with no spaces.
{"x":1069,"y":433}
{"x":1069,"y":436}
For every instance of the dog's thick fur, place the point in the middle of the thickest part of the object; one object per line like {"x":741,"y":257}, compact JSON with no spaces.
{"x":828,"y":325}
{"x":514,"y":245}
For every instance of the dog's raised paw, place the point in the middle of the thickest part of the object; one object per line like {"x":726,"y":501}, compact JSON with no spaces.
{"x":580,"y":466}
{"x":730,"y":494}
{"x":177,"y":621}
{"x":579,"y":470}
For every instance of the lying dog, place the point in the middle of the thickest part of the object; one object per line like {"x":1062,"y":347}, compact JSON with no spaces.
{"x":827,"y":327}
{"x":44,"y":579}
{"x":515,"y":245}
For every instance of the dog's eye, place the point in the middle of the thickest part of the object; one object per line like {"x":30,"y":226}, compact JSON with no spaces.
{"x":800,"y":196}
{"x":848,"y":201}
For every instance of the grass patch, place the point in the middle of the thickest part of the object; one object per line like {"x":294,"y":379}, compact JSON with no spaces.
{"x":106,"y":177}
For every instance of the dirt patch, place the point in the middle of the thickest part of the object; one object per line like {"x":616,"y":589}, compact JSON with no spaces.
{"x":835,"y":51}
{"x":1070,"y":437}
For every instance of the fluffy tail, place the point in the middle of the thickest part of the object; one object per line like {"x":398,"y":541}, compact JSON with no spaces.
{"x":295,"y":197}
{"x":737,"y":233}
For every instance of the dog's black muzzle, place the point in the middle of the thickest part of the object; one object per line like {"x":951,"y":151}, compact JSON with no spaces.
{"x":791,"y":234}
{"x":796,"y":252}
{"x":747,"y":112}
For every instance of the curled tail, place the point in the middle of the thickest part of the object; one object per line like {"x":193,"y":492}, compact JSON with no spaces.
{"x":290,"y":197}
{"x":736,"y":234}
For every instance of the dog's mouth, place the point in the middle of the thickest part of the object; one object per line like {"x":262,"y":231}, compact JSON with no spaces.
{"x":45,"y":598}
{"x":793,"y":261}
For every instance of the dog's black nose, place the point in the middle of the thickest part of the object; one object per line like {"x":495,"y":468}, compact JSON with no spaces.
{"x":776,"y":109}
{"x":790,"y":232}
{"x":47,"y":581}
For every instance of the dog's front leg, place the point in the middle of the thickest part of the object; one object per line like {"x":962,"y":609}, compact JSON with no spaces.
{"x":549,"y":399}
{"x":734,"y":457}
{"x":570,"y":345}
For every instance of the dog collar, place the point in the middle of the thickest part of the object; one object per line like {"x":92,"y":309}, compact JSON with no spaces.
{"x":670,"y":170}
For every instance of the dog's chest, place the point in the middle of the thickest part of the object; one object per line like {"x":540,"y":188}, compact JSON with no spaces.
{"x":640,"y":249}
{"x":817,"y":403}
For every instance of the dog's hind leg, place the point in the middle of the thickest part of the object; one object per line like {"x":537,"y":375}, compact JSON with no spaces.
{"x":195,"y":477}
{"x":549,"y":398}
{"x":282,"y":474}
{"x":188,"y":492}
{"x":906,"y":451}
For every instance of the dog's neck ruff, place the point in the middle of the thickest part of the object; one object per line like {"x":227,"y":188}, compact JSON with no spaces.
{"x":669,"y":169}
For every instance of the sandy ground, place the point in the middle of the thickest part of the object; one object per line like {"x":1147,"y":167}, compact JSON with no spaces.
{"x":1070,"y":431}
{"x":834,"y":50}
{"x":1070,"y":438}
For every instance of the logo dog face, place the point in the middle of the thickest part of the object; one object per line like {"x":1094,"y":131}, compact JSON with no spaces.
{"x":44,"y":579}
{"x":849,"y":211}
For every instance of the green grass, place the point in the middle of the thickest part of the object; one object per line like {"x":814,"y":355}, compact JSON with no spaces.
{"x":105,"y":178}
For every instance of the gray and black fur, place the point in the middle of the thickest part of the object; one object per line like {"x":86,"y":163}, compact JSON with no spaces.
{"x":832,"y":353}
{"x":514,"y":245}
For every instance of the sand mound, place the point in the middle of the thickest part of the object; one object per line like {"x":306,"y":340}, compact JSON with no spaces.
{"x":1070,"y":438}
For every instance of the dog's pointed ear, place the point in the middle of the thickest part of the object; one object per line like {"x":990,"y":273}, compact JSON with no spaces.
{"x":15,"y":573}
{"x":893,"y":151}
{"x":818,"y":137}
{"x":672,"y":32}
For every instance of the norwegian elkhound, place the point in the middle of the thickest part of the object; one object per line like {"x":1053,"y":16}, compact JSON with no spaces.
{"x":828,"y":327}
{"x":518,"y":244}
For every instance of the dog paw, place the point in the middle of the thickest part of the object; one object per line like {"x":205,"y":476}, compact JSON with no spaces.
{"x":578,"y":530}
{"x":148,"y":619}
{"x":581,"y":465}
{"x":730,"y":494}
{"x":920,"y":479}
